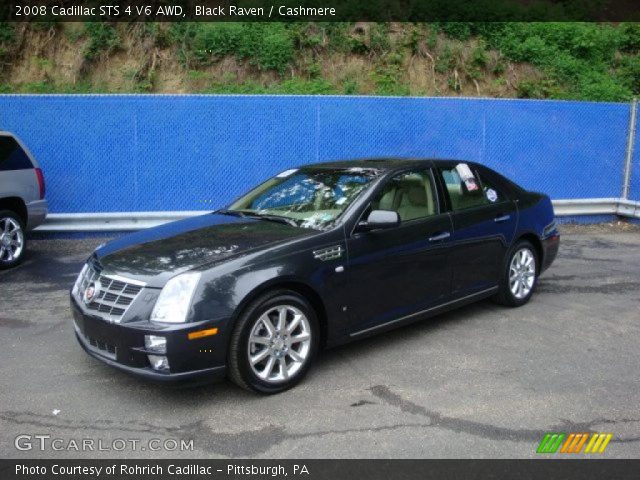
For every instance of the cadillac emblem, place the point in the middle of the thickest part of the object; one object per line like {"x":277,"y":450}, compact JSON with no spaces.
{"x":91,"y":292}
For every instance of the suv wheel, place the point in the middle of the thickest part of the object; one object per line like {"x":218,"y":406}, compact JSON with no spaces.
{"x":273,"y":343}
{"x":519,"y":276}
{"x":12,"y":239}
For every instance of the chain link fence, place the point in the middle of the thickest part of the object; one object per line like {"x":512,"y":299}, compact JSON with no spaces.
{"x":125,"y":153}
{"x":634,"y":177}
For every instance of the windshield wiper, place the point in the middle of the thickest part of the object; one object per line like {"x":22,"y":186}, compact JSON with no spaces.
{"x":274,"y":218}
{"x":233,"y":213}
{"x":265,"y":216}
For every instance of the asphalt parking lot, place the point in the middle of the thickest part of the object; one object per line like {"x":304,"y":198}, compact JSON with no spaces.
{"x":483,"y":381}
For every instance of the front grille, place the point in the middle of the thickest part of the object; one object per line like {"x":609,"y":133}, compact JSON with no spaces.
{"x":114,"y":295}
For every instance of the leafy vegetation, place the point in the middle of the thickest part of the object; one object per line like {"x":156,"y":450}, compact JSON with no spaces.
{"x":568,"y":60}
{"x":269,"y":46}
{"x":586,"y":61}
{"x":103,"y":37}
{"x":7,"y":32}
{"x":7,"y":37}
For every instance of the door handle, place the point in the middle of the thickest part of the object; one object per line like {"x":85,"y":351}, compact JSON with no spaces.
{"x":502,"y":218}
{"x":440,"y":236}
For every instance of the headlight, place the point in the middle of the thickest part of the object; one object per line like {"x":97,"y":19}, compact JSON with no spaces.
{"x":173,"y":303}
{"x":76,"y":285}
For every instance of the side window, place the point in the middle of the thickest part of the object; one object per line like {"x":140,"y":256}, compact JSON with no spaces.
{"x":493,"y":192}
{"x":471,"y":191}
{"x":12,"y":156}
{"x":411,"y":194}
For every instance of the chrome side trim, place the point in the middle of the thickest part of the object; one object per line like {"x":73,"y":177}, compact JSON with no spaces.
{"x":331,"y":253}
{"x":442,"y":236}
{"x":549,"y":229}
{"x":421,"y":312}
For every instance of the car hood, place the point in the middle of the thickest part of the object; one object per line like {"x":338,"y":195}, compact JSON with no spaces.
{"x":156,"y":254}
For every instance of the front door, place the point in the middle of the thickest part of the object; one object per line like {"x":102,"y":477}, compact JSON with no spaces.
{"x":399,"y":271}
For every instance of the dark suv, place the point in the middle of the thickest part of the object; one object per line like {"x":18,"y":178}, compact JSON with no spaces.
{"x":22,"y":203}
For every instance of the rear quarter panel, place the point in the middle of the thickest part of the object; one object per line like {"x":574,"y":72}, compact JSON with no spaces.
{"x":535,"y":213}
{"x":536,"y":216}
{"x":19,"y":183}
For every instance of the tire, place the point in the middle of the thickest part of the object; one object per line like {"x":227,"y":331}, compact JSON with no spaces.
{"x":281,"y":356}
{"x":13,"y":241}
{"x":519,"y":275}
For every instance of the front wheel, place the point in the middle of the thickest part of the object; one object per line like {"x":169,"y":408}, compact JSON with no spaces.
{"x":519,"y":276}
{"x":12,"y":239}
{"x":273,"y":343}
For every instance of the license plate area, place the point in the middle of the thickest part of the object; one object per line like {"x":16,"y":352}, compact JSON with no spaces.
{"x":92,"y":338}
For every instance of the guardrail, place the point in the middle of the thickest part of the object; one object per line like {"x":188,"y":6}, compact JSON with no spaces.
{"x":110,"y":222}
{"x":127,"y":221}
{"x":597,"y":206}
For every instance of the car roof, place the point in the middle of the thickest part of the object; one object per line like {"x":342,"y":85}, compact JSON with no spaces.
{"x":387,"y":163}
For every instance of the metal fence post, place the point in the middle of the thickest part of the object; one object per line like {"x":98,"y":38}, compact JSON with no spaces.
{"x":628,"y":160}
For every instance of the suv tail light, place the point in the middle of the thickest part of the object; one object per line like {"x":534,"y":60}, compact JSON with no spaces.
{"x":41,"y":184}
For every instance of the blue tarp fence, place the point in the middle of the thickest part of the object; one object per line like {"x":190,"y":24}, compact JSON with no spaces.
{"x":109,"y":153}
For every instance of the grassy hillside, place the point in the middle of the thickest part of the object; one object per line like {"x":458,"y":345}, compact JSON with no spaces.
{"x":533,"y":60}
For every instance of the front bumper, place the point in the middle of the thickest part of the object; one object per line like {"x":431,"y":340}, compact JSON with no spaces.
{"x":122,"y":346}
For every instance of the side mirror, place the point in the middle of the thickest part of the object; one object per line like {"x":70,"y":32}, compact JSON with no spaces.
{"x":379,"y":219}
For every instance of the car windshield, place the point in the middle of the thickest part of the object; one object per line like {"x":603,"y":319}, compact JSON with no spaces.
{"x":306,"y":197}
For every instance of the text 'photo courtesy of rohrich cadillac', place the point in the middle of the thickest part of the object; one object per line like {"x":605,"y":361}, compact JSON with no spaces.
{"x":70,"y":470}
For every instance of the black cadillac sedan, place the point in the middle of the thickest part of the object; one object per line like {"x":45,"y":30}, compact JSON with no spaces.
{"x":314,"y":257}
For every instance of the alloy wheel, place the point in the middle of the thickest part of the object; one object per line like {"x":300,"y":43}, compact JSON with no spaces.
{"x":11,"y":240}
{"x":522,"y":273}
{"x":279,"y":343}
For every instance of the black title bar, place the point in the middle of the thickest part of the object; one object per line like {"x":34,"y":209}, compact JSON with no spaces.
{"x":543,"y":469}
{"x":319,"y":10}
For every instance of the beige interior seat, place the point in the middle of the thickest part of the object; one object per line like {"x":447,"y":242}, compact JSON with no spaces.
{"x":416,"y":200}
{"x":387,"y":200}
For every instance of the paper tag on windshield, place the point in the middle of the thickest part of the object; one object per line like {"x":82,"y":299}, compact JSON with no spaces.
{"x":287,"y":173}
{"x":466,"y":175}
{"x":492,"y":195}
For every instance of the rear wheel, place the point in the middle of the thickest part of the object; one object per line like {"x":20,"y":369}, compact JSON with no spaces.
{"x":12,"y":239}
{"x":274,"y":343}
{"x":520,"y":275}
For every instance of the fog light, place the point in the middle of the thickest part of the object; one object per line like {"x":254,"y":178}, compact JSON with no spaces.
{"x":155,"y":344}
{"x":159,"y":362}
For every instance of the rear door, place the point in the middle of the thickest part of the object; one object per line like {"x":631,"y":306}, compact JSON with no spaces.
{"x":484,"y":222}
{"x":399,"y":271}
